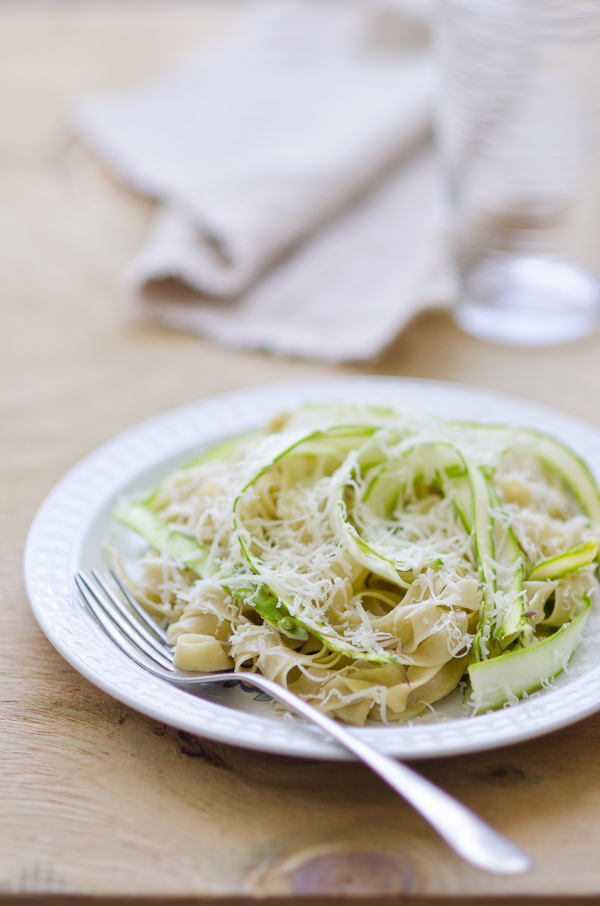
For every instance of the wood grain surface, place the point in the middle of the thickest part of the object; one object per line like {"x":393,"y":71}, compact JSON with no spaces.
{"x":97,"y":801}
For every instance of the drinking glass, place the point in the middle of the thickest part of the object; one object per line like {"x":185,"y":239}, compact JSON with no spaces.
{"x":518,"y":128}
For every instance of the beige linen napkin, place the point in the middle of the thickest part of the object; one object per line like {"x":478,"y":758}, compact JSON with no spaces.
{"x":300,"y":210}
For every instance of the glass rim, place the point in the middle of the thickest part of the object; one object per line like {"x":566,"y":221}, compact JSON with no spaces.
{"x":530,"y":10}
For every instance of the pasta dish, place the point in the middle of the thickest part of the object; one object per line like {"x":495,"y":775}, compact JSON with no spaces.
{"x":373,"y":560}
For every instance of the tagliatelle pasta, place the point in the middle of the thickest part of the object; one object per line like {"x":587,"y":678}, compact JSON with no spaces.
{"x":369,"y":559}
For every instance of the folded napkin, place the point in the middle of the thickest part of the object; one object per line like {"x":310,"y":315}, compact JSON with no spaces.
{"x":299,"y":205}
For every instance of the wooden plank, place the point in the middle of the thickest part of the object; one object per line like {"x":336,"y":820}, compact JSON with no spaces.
{"x":95,"y":799}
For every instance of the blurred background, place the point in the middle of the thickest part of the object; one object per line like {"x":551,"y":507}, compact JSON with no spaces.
{"x":77,"y":366}
{"x":71,"y":228}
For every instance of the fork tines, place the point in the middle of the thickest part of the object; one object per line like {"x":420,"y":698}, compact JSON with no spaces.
{"x":121,"y":625}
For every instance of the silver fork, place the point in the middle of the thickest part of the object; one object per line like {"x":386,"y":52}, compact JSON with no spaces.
{"x":145,"y":642}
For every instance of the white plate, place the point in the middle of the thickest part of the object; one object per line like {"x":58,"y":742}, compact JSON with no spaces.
{"x":70,"y":527}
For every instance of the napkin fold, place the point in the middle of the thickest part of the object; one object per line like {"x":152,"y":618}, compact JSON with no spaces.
{"x":299,"y":205}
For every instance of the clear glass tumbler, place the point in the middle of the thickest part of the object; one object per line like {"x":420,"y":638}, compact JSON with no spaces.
{"x":519,"y":134}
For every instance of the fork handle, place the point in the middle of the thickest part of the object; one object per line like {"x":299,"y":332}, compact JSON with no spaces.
{"x":464,"y":832}
{"x":467,"y":834}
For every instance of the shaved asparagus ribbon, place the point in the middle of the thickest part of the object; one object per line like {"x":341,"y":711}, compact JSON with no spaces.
{"x":496,"y":680}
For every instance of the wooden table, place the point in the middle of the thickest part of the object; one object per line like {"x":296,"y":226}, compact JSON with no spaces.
{"x":95,"y":799}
